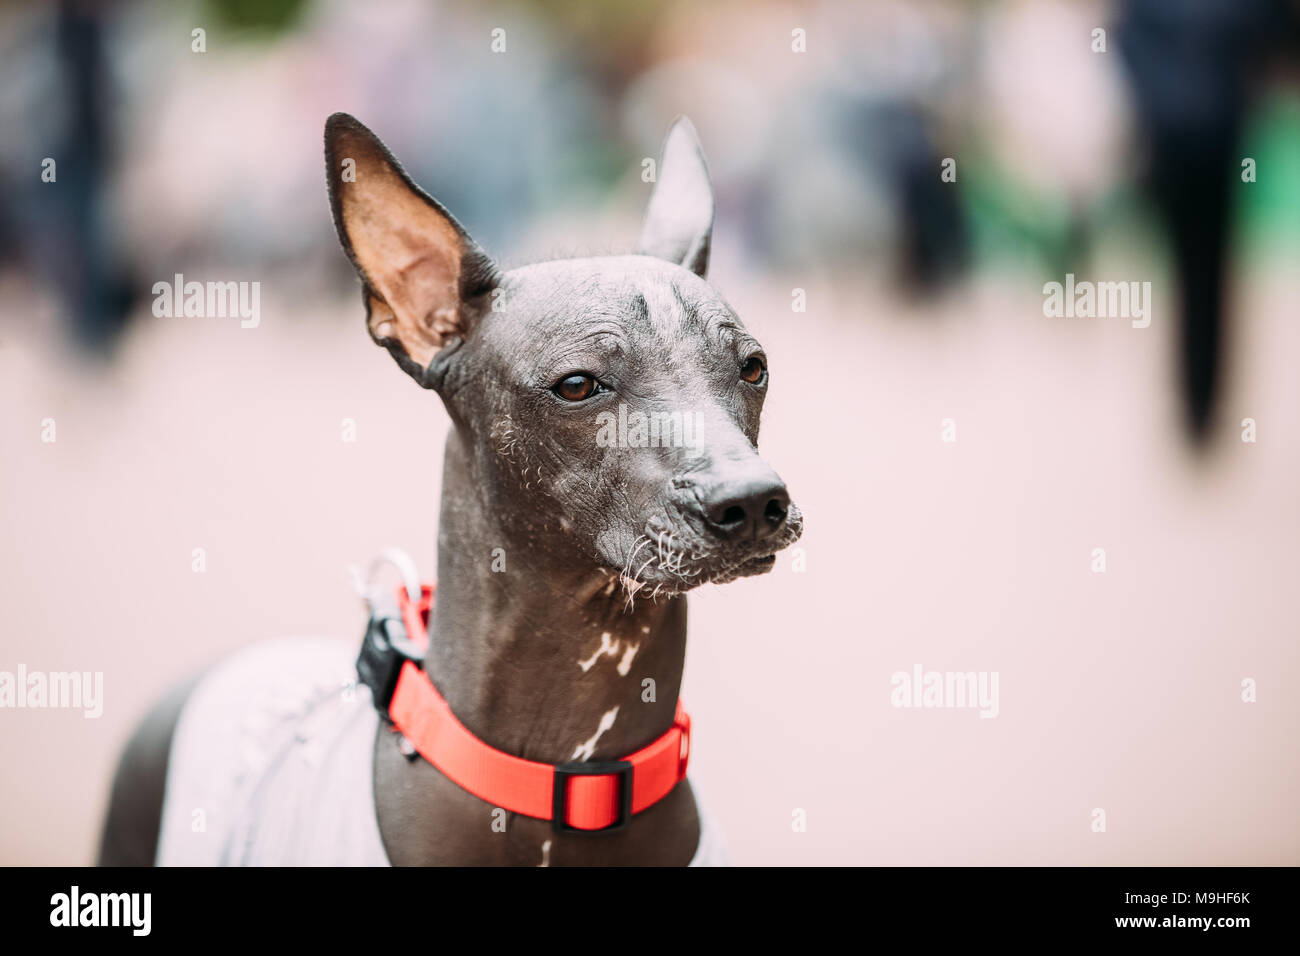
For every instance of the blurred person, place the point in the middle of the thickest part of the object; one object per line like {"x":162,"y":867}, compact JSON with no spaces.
{"x":1191,"y":66}
{"x":62,"y":216}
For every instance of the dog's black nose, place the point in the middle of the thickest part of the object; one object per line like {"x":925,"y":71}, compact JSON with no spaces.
{"x":747,"y":510}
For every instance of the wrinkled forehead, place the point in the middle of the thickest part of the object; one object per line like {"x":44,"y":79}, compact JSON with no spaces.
{"x":630,"y":300}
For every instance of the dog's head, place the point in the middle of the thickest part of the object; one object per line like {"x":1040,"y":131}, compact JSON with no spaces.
{"x":611,"y":404}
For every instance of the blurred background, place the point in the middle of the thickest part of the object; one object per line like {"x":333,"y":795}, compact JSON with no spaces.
{"x":1116,"y":156}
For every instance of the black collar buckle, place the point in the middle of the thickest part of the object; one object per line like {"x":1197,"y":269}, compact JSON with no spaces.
{"x":559,"y":798}
{"x":384,"y":650}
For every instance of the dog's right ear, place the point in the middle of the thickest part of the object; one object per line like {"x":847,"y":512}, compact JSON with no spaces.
{"x":425,"y":278}
{"x":679,"y":219}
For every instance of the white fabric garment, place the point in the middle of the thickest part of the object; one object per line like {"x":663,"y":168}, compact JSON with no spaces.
{"x":271,"y":761}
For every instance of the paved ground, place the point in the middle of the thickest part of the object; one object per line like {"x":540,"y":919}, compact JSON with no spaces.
{"x":1118,"y":691}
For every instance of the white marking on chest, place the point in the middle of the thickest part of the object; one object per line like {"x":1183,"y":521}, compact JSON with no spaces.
{"x":546,"y":854}
{"x":606,"y":647}
{"x":585,"y":749}
{"x":610,"y":648}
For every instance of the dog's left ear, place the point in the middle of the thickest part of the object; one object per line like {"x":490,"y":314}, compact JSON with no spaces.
{"x":679,"y":220}
{"x":425,"y":279}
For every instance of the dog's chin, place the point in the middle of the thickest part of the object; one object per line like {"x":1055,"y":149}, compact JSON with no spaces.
{"x":758,"y":565}
{"x":658,"y":583}
{"x":683,"y":560}
{"x":664,"y":561}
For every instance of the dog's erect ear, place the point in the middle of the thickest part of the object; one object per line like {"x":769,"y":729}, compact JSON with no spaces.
{"x":679,"y":220}
{"x":425,"y":278}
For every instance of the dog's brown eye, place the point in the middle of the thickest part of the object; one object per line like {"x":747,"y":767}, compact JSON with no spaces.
{"x":575,"y":388}
{"x":753,"y":369}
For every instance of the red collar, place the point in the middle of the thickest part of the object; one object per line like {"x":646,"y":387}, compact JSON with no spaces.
{"x":586,"y":797}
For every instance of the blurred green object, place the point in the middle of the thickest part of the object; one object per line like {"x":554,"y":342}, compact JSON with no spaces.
{"x":1269,"y":208}
{"x":261,"y":16}
{"x":1009,"y":221}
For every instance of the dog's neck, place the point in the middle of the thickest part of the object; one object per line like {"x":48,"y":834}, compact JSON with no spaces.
{"x":545,"y":661}
{"x":533,"y":650}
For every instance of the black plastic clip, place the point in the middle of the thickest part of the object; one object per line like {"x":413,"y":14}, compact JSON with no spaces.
{"x":559,"y":798}
{"x":385,"y":648}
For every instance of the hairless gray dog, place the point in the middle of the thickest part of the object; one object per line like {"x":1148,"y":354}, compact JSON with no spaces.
{"x":602,"y":463}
